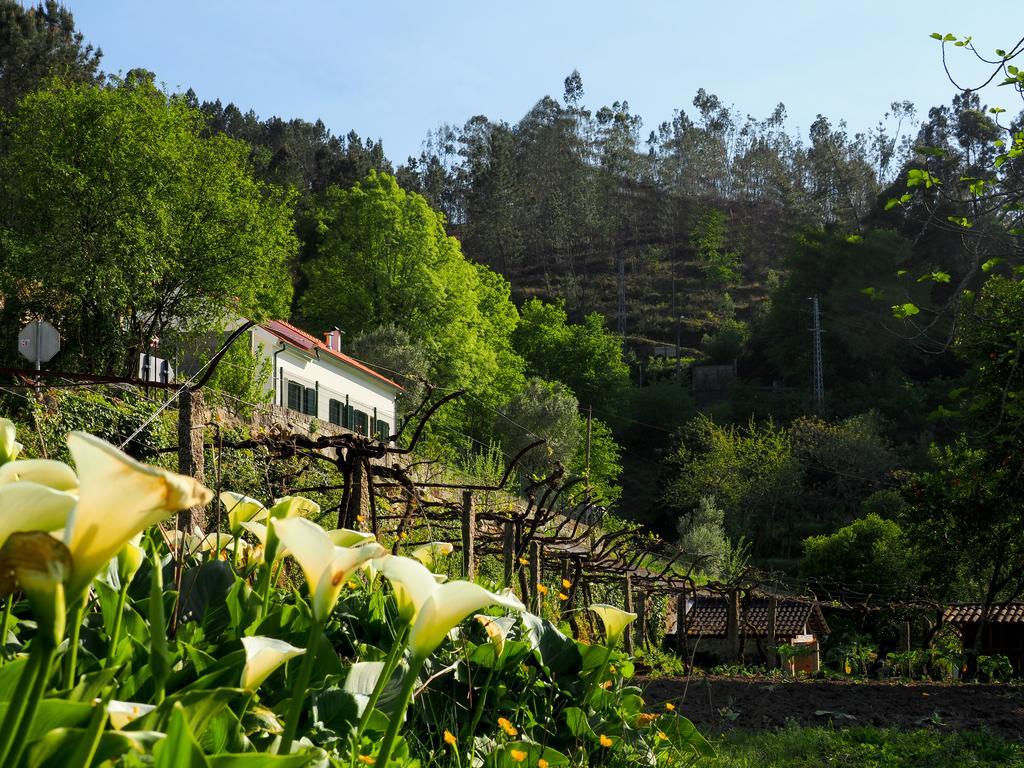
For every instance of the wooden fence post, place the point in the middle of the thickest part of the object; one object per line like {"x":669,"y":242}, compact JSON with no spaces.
{"x":682,"y":645}
{"x":641,"y":621}
{"x":190,"y":451}
{"x":630,"y":645}
{"x":906,"y":636}
{"x":508,"y":548}
{"x":536,"y":574}
{"x":468,"y":536}
{"x":732,"y":624}
{"x":770,"y":630}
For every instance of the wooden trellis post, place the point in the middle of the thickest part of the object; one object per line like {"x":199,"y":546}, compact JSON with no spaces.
{"x":770,"y":630}
{"x":536,"y":574}
{"x":732,"y":623}
{"x":628,"y":586}
{"x":682,"y":646}
{"x":468,"y":536}
{"x":508,"y":549}
{"x":191,"y":420}
{"x":641,"y":620}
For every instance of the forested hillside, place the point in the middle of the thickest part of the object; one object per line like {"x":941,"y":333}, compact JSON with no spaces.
{"x":537,"y":265}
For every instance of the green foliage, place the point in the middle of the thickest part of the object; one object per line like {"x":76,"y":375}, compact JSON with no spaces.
{"x":241,"y":380}
{"x":585,"y":356}
{"x":725,"y":344}
{"x":384,"y":258}
{"x":391,"y":349}
{"x":708,"y":239}
{"x":870,"y":551}
{"x":605,"y":461}
{"x":546,"y":410}
{"x":122,"y":221}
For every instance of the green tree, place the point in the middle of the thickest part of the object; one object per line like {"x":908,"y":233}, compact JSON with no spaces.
{"x":121,"y":222}
{"x":708,"y":238}
{"x":585,"y":356}
{"x":871,"y":551}
{"x":605,"y":461}
{"x":547,"y":410}
{"x":39,"y":42}
{"x":385,"y":259}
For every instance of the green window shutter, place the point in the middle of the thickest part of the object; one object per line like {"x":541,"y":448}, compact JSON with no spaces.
{"x":361,"y":422}
{"x":309,"y":402}
{"x":383,"y":431}
{"x":294,"y":396}
{"x":334,"y":412}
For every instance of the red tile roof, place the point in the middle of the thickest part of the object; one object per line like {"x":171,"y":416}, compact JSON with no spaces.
{"x":707,"y":617}
{"x":970,"y":613}
{"x":307,"y":342}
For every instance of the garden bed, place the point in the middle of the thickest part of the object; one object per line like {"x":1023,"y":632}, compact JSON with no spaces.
{"x":721,"y":704}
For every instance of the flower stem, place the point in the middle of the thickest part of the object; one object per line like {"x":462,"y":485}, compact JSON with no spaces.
{"x":5,"y":624}
{"x":598,"y":674}
{"x":389,"y":667}
{"x":71,"y":659}
{"x":42,"y":677}
{"x":384,"y":756}
{"x":467,"y":737}
{"x":115,"y":633}
{"x":299,"y":687}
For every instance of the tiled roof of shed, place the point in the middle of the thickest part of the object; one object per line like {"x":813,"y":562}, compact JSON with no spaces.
{"x":707,"y":617}
{"x":969,"y":613}
{"x":308,"y":343}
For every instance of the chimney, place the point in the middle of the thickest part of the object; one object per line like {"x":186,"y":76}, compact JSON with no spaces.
{"x":333,"y":339}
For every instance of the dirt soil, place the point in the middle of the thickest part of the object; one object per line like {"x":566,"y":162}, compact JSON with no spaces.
{"x":720,"y":704}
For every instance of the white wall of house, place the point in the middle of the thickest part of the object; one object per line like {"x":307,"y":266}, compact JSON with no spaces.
{"x":330,"y":379}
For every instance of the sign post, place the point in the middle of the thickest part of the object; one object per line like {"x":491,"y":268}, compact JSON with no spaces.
{"x":39,"y":342}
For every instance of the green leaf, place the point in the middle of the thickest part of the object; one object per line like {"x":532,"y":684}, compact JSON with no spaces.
{"x":179,"y":749}
{"x":53,"y":714}
{"x":502,"y":757}
{"x":10,"y":673}
{"x":853,"y":239}
{"x":903,"y":311}
{"x":684,"y":735}
{"x":556,"y":652}
{"x":52,"y":750}
{"x":991,"y":264}
{"x":579,"y":726}
{"x":936,"y":36}
{"x":261,"y":760}
{"x":937,"y":276}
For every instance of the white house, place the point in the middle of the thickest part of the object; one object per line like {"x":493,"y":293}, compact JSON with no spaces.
{"x":316,"y":378}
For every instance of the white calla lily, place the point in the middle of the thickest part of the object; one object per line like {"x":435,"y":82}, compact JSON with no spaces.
{"x":435,"y":608}
{"x":615,"y":620}
{"x":29,"y":506}
{"x":53,"y":474}
{"x":9,"y":447}
{"x":130,"y":558}
{"x":123,"y":712}
{"x":293,"y":506}
{"x":427,"y":553}
{"x":118,"y":498}
{"x":325,"y":566}
{"x":346,"y":537}
{"x":497,"y":631}
{"x":241,"y":508}
{"x":262,"y":656}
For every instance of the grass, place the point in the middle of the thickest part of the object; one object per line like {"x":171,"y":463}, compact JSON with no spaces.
{"x":797,"y":747}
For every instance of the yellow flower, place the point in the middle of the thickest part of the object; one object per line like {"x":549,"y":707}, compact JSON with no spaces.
{"x":606,"y":684}
{"x":542,"y":763}
{"x":352,"y":584}
{"x":566,"y":584}
{"x":605,"y":741}
{"x":562,"y":596}
{"x":507,"y":727}
{"x":366,"y":760}
{"x":612,"y":669}
{"x":646,"y":719}
{"x":403,"y":535}
{"x":449,"y":738}
{"x":541,"y":589}
{"x":670,"y":706}
{"x":360,"y":518}
{"x":517,"y":754}
{"x":662,"y":736}
{"x":523,"y":561}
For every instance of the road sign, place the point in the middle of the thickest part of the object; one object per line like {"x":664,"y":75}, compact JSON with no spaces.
{"x":39,"y":342}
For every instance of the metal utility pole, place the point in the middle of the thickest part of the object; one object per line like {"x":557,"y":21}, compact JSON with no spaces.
{"x":819,"y":379}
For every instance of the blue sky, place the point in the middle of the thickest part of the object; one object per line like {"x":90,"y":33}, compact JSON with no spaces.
{"x":394,"y":70}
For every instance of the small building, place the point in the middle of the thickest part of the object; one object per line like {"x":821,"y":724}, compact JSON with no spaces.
{"x":797,"y":623}
{"x":1003,"y":634}
{"x":316,"y":378}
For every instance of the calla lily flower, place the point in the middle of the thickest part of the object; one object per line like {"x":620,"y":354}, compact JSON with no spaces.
{"x":615,"y":621}
{"x":346,"y":537}
{"x":241,"y":509}
{"x":118,"y":498}
{"x":496,"y":629}
{"x":293,"y":506}
{"x":325,"y":566}
{"x":123,"y":712}
{"x":436,"y":608}
{"x":27,"y":506}
{"x":9,"y":447}
{"x":427,"y":553}
{"x":53,"y":474}
{"x":262,"y":656}
{"x":130,"y":558}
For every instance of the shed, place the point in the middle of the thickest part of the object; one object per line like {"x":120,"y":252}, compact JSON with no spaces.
{"x":797,"y":622}
{"x":1003,"y":633}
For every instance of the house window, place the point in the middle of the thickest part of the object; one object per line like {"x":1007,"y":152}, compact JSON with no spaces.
{"x":360,"y":422}
{"x":335,"y":411}
{"x":294,"y":396}
{"x":383,"y":431}
{"x":309,"y":401}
